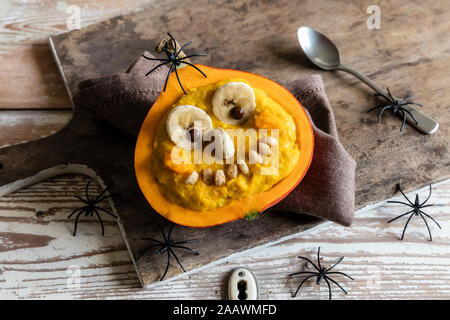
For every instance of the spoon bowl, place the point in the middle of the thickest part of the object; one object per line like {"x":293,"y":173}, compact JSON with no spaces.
{"x":318,"y":48}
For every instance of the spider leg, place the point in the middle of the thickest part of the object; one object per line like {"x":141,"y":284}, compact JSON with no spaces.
{"x":176,"y":258}
{"x":188,"y":63}
{"x":179,"y":81}
{"x":101,"y":222}
{"x":318,"y":258}
{"x":429,"y":195}
{"x":155,"y":59}
{"x":334,"y":265}
{"x":182,"y":47}
{"x":381,"y":112}
{"x":406,"y":102}
{"x":301,"y":283}
{"x":187,"y":241}
{"x":106,"y":211}
{"x":341,"y":273}
{"x":377,"y":107}
{"x":86,"y":191}
{"x":404,"y":214}
{"x":315,"y":267}
{"x":186,"y":248}
{"x":168,"y":75}
{"x":193,"y":55}
{"x":154,"y":240}
{"x":76,"y":223}
{"x":174,"y":42}
{"x":390,"y":95}
{"x":410,"y":114}
{"x":401,"y":191}
{"x":406,"y":225}
{"x":335,"y":282}
{"x":426,"y":223}
{"x":404,"y":120}
{"x":102,"y":193}
{"x":329,"y":288}
{"x":83,"y":208}
{"x":430,"y":218}
{"x":167,"y":266}
{"x":104,"y":198}
{"x":432,"y":205}
{"x":400,"y":202}
{"x":302,"y":272}
{"x":162,"y":250}
{"x":145,"y":250}
{"x":170,"y":232}
{"x":81,"y":199}
{"x":159,"y":65}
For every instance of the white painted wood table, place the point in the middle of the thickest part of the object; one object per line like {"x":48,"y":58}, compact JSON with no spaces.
{"x":39,"y":257}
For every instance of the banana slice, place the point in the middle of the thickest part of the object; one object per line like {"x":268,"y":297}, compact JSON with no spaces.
{"x":234,"y":102}
{"x":222,"y":146}
{"x":186,"y":125}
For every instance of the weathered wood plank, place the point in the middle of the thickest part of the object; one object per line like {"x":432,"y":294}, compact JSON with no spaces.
{"x":21,"y":126}
{"x":383,"y":266}
{"x":26,"y":61}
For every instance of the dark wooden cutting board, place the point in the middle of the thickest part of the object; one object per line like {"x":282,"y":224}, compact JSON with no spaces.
{"x":410,"y":54}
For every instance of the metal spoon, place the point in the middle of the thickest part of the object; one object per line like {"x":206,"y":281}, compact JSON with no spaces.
{"x":322,"y":52}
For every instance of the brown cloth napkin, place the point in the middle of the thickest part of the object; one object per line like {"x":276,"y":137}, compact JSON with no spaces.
{"x":328,"y":189}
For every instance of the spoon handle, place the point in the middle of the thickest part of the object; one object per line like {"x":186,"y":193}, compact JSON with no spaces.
{"x":425,"y":124}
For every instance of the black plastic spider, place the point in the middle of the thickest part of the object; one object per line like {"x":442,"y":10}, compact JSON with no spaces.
{"x":174,"y":61}
{"x":91,"y":207}
{"x":167,"y":246}
{"x":416,"y":211}
{"x":397,"y":107}
{"x":321,"y":274}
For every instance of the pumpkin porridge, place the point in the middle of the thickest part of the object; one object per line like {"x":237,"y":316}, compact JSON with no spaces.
{"x":223,"y":142}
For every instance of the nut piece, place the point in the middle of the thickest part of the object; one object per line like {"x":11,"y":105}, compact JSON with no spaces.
{"x":219,"y":179}
{"x":264,"y":149}
{"x":242,"y":166}
{"x":208,"y":176}
{"x":231,"y":171}
{"x":192,"y":179}
{"x":271,"y":141}
{"x":254,"y":157}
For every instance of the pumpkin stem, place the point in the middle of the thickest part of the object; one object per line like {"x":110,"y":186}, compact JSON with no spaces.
{"x":169,"y":44}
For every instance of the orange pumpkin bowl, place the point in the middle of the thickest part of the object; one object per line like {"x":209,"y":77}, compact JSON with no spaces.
{"x":236,"y":209}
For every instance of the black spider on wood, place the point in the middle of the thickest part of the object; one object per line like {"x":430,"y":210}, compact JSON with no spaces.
{"x":321,"y":274}
{"x":416,"y":211}
{"x":168,"y":245}
{"x":397,"y":107}
{"x":175,"y":61}
{"x":91,"y":207}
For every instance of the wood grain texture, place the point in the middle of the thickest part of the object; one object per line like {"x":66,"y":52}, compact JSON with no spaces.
{"x":21,"y":126}
{"x":382,"y":265}
{"x":26,"y":61}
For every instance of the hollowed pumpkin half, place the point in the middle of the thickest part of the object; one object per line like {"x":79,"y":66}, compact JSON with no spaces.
{"x":236,"y":209}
